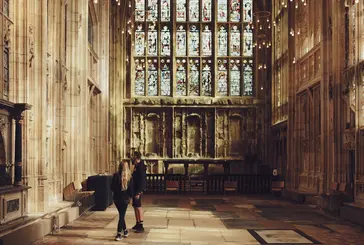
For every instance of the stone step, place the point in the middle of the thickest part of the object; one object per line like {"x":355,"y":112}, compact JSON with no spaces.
{"x":353,"y":212}
{"x":27,"y":231}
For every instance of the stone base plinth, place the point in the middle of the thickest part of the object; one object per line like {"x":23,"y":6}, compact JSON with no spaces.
{"x":13,"y":203}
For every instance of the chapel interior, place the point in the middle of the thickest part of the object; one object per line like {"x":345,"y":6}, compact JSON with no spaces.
{"x":266,"y":94}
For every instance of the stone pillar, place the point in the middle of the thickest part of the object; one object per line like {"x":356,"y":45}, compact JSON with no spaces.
{"x":18,"y":151}
{"x":206,"y":170}
{"x":226,"y":168}
{"x":186,"y":170}
{"x":166,"y":168}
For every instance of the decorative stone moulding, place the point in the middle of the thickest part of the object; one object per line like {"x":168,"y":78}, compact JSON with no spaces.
{"x":192,"y":101}
{"x":349,"y":139}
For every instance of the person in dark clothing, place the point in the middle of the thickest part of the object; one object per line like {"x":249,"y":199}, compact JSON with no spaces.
{"x":122,"y":188}
{"x":140,"y":182}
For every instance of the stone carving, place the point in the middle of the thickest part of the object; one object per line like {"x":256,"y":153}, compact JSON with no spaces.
{"x":191,"y":133}
{"x":191,"y":101}
{"x":31,"y":45}
{"x":65,"y":83}
{"x":349,"y":139}
{"x":13,"y":205}
{"x":31,"y":116}
{"x":79,"y":21}
{"x":7,"y":37}
{"x":3,"y":124}
{"x":31,"y":52}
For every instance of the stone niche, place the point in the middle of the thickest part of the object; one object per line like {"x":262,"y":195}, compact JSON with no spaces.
{"x":235,"y":131}
{"x":148,"y":131}
{"x":193,"y":133}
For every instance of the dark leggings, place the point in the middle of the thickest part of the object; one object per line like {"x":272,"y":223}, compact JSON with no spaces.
{"x":121,"y":206}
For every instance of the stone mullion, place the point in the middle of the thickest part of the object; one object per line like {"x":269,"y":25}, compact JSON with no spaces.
{"x":164,"y":137}
{"x":291,"y":142}
{"x":104,"y":75}
{"x":114,"y":76}
{"x":205,"y":151}
{"x":338,"y":66}
{"x":359,"y":130}
{"x":121,"y":83}
{"x":184,"y":149}
{"x":326,"y":114}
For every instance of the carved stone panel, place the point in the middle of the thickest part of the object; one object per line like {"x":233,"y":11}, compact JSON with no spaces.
{"x":193,"y":133}
{"x":149,"y":132}
{"x":235,"y":132}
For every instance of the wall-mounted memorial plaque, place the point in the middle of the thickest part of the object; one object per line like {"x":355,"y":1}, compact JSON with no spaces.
{"x":12,"y":205}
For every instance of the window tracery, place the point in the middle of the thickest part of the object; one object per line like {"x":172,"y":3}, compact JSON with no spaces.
{"x":191,"y":52}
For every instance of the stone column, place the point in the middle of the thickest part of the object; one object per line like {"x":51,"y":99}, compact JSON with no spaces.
{"x":18,"y":151}
{"x":166,"y":168}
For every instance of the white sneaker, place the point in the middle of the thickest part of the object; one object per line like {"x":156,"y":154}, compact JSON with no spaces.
{"x":118,"y":237}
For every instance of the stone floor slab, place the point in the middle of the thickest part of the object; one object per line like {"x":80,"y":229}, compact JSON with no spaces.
{"x":164,"y":235}
{"x":181,"y":224}
{"x":201,"y":236}
{"x":209,"y":224}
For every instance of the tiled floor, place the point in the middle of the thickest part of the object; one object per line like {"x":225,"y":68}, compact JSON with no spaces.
{"x":202,"y":220}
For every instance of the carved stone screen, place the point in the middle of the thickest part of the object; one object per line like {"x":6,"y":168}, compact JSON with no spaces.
{"x":206,"y":45}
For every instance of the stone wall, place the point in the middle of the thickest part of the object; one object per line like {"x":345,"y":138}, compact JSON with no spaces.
{"x":325,"y":53}
{"x":66,"y":81}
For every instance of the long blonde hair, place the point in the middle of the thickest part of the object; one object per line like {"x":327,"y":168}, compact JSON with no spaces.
{"x":125,"y":175}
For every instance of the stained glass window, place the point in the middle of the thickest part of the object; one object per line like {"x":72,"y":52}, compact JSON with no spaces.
{"x":165,"y":41}
{"x":139,"y":41}
{"x":206,"y":78}
{"x":139,"y":10}
{"x":234,"y":10}
{"x":222,"y":78}
{"x":235,"y":41}
{"x":152,"y":10}
{"x":194,"y":10}
{"x":206,"y":41}
{"x":181,"y":77}
{"x":152,"y":40}
{"x":139,"y":77}
{"x":181,"y":41}
{"x":248,"y":77}
{"x":222,"y":42}
{"x":248,"y":41}
{"x":192,"y":48}
{"x":222,"y":10}
{"x":194,"y":78}
{"x":206,"y":10}
{"x":181,"y":10}
{"x":165,"y":78}
{"x":152,"y":78}
{"x":234,"y":77}
{"x":247,"y":11}
{"x":194,"y":41}
{"x":165,"y":10}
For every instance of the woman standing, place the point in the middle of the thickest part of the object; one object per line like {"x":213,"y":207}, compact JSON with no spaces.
{"x":122,"y":187}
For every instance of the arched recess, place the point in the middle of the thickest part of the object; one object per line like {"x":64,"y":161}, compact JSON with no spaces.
{"x":194,"y":135}
{"x":236,"y":135}
{"x":153,"y":135}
